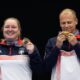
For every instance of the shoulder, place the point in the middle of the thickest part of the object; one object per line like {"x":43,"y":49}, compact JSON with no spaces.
{"x":51,"y":42}
{"x":52,"y":39}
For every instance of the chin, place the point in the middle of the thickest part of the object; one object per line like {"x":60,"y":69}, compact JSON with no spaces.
{"x":11,"y":38}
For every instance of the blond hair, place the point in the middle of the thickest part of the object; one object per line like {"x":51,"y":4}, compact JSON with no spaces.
{"x":18,"y":22}
{"x":67,"y":11}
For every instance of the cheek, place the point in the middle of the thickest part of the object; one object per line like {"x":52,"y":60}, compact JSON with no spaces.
{"x":62,"y":27}
{"x":72,"y":27}
{"x":4,"y":31}
{"x":17,"y":33}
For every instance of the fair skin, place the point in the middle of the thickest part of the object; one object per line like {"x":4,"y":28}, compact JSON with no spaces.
{"x":68,"y":22}
{"x":11,"y":31}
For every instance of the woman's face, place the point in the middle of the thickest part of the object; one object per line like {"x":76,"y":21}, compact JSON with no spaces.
{"x":11,"y":29}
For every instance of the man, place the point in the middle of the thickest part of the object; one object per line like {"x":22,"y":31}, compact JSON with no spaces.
{"x":62,"y":52}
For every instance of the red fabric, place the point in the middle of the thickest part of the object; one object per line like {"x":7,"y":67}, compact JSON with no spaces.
{"x":3,"y":42}
{"x":78,"y":36}
{"x":0,"y":74}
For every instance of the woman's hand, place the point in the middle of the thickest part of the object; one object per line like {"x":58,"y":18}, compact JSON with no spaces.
{"x":30,"y":47}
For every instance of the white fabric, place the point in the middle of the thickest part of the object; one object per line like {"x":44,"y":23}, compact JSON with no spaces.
{"x":69,"y":69}
{"x":15,"y":68}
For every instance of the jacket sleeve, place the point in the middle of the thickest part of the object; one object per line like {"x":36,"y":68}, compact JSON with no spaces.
{"x":51,"y":54}
{"x":35,"y":64}
{"x":77,"y":50}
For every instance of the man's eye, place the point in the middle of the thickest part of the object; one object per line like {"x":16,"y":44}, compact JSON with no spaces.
{"x":69,"y":22}
{"x":63,"y":23}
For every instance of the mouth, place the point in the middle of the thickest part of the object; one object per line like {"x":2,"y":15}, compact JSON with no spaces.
{"x":10,"y":33}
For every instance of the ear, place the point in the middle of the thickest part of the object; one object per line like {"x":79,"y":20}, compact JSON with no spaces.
{"x":76,"y":21}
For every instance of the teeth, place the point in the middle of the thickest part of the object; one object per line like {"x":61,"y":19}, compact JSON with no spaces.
{"x":7,"y":32}
{"x":10,"y":32}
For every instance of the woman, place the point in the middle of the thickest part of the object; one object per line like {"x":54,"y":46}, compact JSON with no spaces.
{"x":19,"y":59}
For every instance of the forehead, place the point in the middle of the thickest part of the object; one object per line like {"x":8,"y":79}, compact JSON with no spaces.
{"x":11,"y":22}
{"x":67,"y":16}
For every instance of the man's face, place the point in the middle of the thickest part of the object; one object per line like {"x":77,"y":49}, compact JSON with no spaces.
{"x":68,"y":22}
{"x":11,"y":29}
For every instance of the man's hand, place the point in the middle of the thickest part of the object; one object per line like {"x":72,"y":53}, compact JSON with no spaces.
{"x":60,"y":39}
{"x":72,"y":39}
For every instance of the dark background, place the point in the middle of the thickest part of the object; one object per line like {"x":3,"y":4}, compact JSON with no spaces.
{"x":39,"y":19}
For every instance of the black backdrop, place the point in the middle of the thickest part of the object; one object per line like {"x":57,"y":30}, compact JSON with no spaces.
{"x":39,"y":19}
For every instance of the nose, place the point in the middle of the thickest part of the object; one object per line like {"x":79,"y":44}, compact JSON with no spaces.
{"x":66,"y":25}
{"x":10,"y":28}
